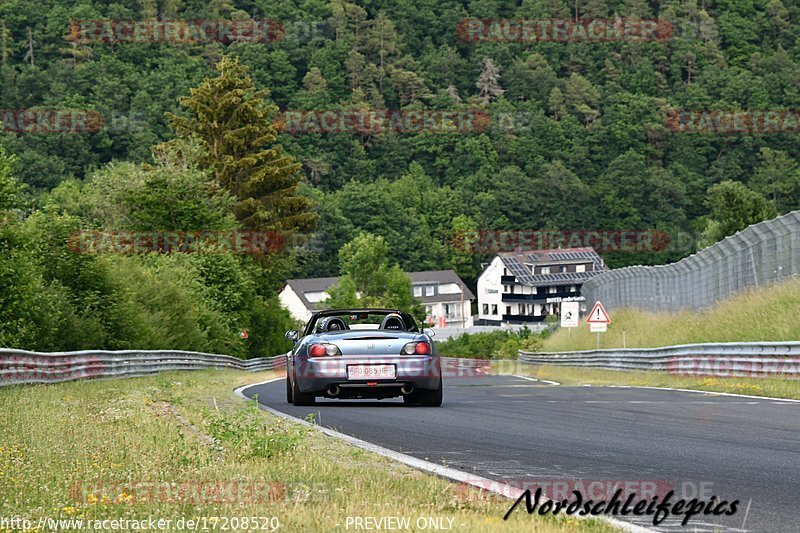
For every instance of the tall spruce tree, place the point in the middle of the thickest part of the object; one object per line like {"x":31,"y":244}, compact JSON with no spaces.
{"x":230,"y":120}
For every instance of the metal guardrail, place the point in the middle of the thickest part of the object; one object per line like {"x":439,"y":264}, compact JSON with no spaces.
{"x":24,"y":367}
{"x":18,"y":367}
{"x":755,"y":359}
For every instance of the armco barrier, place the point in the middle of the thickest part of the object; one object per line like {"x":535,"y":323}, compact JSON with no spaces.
{"x":753,"y":359}
{"x":19,"y":367}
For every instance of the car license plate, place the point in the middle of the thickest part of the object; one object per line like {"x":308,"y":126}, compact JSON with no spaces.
{"x":370,"y":372}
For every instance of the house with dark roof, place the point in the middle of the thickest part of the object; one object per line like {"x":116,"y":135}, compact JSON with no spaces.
{"x":527,"y":286}
{"x":446,"y":298}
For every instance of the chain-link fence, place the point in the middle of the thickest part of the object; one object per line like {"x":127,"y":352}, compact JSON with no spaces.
{"x":758,"y":255}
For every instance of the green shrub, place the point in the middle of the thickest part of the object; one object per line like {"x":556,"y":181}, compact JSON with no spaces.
{"x":500,"y":344}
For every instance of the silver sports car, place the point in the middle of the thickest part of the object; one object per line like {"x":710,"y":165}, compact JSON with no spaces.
{"x":363,"y":353}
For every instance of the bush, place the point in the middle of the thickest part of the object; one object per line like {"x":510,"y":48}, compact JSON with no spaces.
{"x":500,"y":344}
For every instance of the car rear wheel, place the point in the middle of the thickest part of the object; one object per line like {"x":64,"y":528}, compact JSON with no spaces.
{"x":288,"y":389}
{"x":411,"y":399}
{"x":301,"y":398}
{"x":425,"y":397}
{"x":432,"y":398}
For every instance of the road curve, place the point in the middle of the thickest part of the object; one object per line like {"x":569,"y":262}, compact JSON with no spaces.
{"x":519,"y":431}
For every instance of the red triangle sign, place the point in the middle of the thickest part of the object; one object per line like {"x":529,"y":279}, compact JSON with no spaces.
{"x":243,"y":334}
{"x":598,"y":315}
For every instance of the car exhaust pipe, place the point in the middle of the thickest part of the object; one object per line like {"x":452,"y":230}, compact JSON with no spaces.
{"x":407,"y":389}
{"x":334,"y":390}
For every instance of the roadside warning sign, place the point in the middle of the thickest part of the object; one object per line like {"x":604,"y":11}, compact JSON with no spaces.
{"x":569,"y":314}
{"x":598,"y":315}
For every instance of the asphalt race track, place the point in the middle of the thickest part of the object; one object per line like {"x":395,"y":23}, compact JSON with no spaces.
{"x":519,"y":431}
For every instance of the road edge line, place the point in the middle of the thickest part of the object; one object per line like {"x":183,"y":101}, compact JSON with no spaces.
{"x":533,"y":379}
{"x":451,"y":474}
{"x":714,"y":393}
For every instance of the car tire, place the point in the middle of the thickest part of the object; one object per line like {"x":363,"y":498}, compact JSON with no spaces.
{"x":431,"y":398}
{"x":425,"y":397}
{"x":411,"y":399}
{"x":302,"y":398}
{"x":288,"y":389}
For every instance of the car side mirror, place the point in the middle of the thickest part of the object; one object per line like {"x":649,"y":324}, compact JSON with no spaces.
{"x":429,"y":332}
{"x":292,"y":335}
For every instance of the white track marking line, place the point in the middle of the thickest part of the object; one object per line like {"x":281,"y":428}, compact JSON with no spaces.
{"x":451,"y":474}
{"x":534,"y":379}
{"x":712,"y":393}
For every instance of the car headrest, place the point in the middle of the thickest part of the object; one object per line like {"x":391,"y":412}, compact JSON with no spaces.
{"x":335,"y":324}
{"x":394,"y":322}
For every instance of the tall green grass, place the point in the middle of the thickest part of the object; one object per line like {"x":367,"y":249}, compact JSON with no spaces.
{"x":69,"y":451}
{"x":767,"y":314}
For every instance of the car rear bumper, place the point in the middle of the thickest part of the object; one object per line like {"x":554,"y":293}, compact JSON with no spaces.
{"x":317,"y":374}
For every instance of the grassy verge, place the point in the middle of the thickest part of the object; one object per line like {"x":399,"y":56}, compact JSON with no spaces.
{"x":768,"y":314}
{"x":758,"y":315}
{"x":778,"y":388}
{"x":77,"y":450}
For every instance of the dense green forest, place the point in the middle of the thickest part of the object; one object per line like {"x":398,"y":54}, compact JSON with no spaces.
{"x":577,"y":138}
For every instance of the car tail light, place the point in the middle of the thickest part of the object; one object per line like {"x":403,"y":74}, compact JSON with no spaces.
{"x":316,"y":350}
{"x":320,"y":350}
{"x":416,"y":348}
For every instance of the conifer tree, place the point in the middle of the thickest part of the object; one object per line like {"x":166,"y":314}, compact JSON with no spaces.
{"x":230,"y":120}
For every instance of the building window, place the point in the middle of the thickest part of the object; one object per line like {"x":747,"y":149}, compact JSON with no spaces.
{"x":429,"y":290}
{"x":417,"y":291}
{"x":522,"y":309}
{"x":573,"y":288}
{"x":508,"y":309}
{"x":580,"y":268}
{"x":545,"y":270}
{"x":505,"y":288}
{"x":563,"y":269}
{"x":485,"y":309}
{"x":494,"y":309}
{"x":551,"y":290}
{"x":534,"y":290}
{"x":512,"y":289}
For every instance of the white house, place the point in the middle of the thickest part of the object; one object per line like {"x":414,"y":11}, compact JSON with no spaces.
{"x":526,"y":286}
{"x":447,"y":300}
{"x":301,"y":297}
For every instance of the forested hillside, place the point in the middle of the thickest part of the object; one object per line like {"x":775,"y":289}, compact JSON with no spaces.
{"x":578,"y":133}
